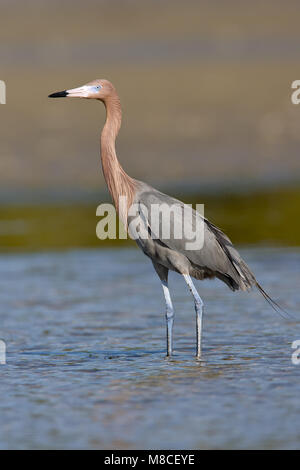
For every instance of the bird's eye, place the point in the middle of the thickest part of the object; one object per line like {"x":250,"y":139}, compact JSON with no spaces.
{"x":95,"y":88}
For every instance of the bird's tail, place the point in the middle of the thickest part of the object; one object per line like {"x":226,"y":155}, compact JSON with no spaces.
{"x":283,"y":313}
{"x":241,"y":277}
{"x":247,"y":281}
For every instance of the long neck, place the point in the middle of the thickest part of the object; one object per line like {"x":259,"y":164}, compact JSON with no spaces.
{"x":118,"y":182}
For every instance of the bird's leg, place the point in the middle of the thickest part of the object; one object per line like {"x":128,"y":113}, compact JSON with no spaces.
{"x":162,"y":272}
{"x":199,"y":311}
{"x":169,"y":317}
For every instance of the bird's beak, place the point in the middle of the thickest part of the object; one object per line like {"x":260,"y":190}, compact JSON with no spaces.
{"x":81,"y":92}
{"x":58,"y":94}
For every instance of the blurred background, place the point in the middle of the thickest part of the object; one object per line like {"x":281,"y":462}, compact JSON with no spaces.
{"x":206,"y":93}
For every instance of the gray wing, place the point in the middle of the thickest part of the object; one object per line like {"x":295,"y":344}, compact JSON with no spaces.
{"x":217,"y":256}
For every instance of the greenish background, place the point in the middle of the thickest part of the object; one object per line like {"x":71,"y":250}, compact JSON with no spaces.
{"x":261,"y":217}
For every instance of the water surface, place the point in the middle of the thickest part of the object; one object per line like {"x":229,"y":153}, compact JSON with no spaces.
{"x":85,"y":338}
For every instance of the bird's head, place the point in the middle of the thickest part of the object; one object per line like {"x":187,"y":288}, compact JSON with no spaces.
{"x":97,"y":89}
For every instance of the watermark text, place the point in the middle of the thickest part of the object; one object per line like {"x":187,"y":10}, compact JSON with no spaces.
{"x":2,"y":92}
{"x":174,"y":222}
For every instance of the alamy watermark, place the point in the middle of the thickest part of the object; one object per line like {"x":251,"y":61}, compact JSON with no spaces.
{"x":2,"y":92}
{"x":295,"y":97}
{"x":296,"y":353}
{"x":163,"y":221}
{"x":2,"y":352}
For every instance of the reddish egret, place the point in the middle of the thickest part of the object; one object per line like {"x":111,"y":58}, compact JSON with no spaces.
{"x":216,"y":258}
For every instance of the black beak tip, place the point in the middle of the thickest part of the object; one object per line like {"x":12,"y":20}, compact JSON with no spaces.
{"x":58,"y":94}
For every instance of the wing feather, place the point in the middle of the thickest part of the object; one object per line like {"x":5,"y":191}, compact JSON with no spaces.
{"x":217,"y":254}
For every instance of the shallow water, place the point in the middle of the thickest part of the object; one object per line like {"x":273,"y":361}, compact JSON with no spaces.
{"x":85,"y":339}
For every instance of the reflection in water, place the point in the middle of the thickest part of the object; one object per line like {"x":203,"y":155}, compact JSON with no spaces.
{"x":86,"y":366}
